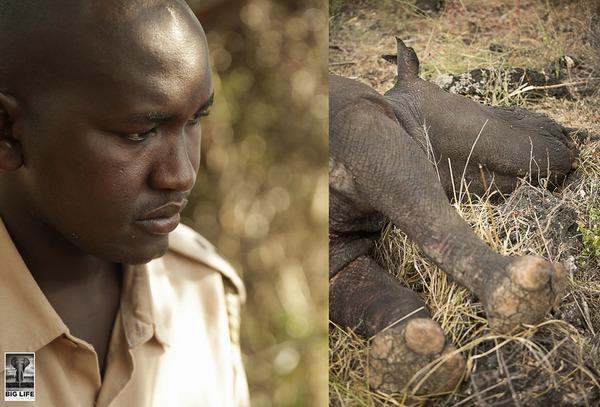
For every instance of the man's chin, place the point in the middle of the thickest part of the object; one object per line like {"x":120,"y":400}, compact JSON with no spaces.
{"x":143,"y":252}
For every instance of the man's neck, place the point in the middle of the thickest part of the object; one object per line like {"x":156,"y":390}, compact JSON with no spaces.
{"x":54,"y":262}
{"x":84,"y":290}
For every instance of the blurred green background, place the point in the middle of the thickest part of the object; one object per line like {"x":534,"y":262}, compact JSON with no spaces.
{"x":261,"y":194}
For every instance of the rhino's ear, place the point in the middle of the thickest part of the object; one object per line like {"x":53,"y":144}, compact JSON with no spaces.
{"x":392,"y":59}
{"x":407,"y":60}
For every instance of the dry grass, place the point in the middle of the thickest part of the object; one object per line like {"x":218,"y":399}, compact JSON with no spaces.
{"x":558,"y":361}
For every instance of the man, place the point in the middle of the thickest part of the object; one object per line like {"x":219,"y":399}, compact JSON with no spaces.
{"x":100,"y":104}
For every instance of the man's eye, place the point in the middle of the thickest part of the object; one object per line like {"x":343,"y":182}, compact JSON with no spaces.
{"x":196,"y":118}
{"x":140,"y":136}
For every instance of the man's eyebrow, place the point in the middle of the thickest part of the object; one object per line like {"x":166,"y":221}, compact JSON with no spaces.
{"x":154,"y":117}
{"x":160,"y":117}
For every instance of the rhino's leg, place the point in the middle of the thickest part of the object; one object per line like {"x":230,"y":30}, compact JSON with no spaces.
{"x":404,"y":340}
{"x":395,"y":177}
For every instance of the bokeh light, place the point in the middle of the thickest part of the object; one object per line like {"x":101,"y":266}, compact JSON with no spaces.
{"x":261,"y":194}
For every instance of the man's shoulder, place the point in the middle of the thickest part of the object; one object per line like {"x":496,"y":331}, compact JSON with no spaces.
{"x":186,"y":242}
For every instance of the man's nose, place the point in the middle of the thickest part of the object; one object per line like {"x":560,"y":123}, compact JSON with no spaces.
{"x":176,"y":163}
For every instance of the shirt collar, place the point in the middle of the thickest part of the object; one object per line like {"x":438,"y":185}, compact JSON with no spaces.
{"x":32,"y":322}
{"x":139,"y":315}
{"x":190,"y":244}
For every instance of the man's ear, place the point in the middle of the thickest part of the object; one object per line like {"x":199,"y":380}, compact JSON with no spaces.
{"x":11,"y":154}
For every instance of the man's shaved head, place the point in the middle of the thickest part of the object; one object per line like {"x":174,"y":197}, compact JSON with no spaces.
{"x":99,"y":109}
{"x":44,"y":41}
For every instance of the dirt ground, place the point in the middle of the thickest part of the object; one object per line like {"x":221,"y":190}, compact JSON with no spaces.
{"x":556,"y":363}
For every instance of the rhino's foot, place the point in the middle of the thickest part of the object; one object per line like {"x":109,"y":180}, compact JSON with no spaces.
{"x":398,"y":355}
{"x":528,"y":290}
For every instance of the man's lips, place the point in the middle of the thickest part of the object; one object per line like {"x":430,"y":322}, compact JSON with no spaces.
{"x":165,"y":211}
{"x":162,"y":220}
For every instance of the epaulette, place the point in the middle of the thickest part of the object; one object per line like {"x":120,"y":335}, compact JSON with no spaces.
{"x":190,"y":243}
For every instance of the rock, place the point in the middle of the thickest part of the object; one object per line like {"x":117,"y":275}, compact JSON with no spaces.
{"x":480,"y":83}
{"x":430,"y":6}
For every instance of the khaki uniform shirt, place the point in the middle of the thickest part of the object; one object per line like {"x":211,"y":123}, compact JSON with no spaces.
{"x":174,"y":341}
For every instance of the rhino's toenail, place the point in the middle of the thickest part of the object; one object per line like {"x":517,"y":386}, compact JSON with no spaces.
{"x":575,"y":164}
{"x":455,"y":362}
{"x":382,"y":344}
{"x":425,"y":337}
{"x":560,"y":271}
{"x":531,"y":273}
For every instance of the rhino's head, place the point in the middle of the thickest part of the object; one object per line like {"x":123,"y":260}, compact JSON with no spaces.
{"x":462,"y":135}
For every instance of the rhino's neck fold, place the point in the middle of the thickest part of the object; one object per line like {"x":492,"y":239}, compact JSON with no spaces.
{"x":409,"y":113}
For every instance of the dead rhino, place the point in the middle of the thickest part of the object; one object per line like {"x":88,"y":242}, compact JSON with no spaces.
{"x":399,"y":157}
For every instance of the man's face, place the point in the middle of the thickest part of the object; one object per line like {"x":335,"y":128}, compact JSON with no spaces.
{"x":111,"y":151}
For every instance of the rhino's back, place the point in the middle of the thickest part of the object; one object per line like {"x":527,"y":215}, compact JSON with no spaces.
{"x":344,"y":92}
{"x":349,"y":211}
{"x":353,"y":224}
